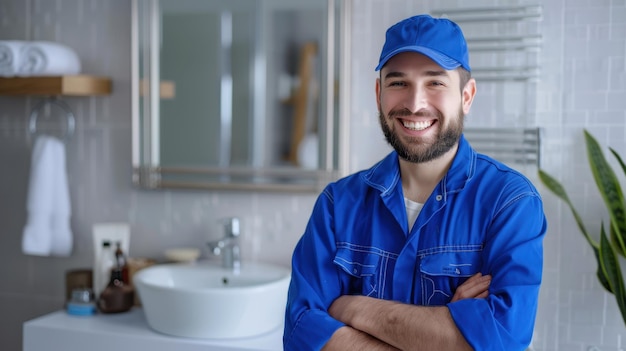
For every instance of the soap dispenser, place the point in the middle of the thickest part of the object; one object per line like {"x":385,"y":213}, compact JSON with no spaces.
{"x":117,"y":296}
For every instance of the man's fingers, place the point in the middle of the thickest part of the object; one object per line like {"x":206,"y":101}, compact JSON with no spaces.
{"x":483,"y":295}
{"x":476,"y":283}
{"x":476,"y":286}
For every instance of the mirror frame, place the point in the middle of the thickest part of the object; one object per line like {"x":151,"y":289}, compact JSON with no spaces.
{"x":152,"y":176}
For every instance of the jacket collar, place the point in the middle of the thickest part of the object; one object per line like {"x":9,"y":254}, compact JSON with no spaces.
{"x":385,"y":175}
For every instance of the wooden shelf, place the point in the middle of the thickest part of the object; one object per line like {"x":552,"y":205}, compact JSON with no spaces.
{"x":75,"y":85}
{"x":167,"y":88}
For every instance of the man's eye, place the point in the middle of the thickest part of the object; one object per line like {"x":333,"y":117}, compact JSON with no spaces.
{"x":436,"y":83}
{"x":396,"y":84}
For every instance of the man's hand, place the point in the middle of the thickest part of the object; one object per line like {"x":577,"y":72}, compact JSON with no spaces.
{"x":367,"y":320}
{"x":393,"y":325}
{"x":476,"y":287}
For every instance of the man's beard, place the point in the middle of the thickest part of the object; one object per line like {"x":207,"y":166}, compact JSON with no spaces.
{"x":416,"y":151}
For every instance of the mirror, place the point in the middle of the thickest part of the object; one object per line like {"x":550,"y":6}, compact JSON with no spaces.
{"x":238,"y":94}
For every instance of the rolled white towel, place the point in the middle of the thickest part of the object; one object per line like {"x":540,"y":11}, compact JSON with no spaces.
{"x":9,"y":57}
{"x":46,"y":58}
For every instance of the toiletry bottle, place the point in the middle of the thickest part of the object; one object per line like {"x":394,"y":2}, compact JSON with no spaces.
{"x":116,"y":297}
{"x":106,"y":264}
{"x":121,"y":262}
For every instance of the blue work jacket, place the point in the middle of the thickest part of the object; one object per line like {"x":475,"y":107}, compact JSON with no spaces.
{"x":482,"y":217}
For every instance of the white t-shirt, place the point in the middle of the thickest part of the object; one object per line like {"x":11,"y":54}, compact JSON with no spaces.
{"x":412,"y":210}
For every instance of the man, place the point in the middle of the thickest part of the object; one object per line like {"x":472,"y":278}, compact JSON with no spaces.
{"x":435,"y":247}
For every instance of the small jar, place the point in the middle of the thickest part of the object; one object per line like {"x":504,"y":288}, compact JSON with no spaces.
{"x":81,"y":303}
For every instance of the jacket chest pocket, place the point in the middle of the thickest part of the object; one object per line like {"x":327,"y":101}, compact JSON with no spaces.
{"x":442,"y":272}
{"x":364,"y":267}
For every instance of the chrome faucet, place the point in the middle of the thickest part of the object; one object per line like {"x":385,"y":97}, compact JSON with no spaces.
{"x":228,"y":246}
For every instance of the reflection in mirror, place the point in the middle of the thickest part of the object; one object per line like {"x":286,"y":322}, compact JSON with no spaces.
{"x":239,"y":94}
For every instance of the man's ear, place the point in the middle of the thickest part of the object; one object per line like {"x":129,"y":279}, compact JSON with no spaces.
{"x":378,"y":93}
{"x":469,"y":91}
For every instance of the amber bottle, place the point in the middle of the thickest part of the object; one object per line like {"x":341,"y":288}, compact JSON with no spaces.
{"x":117,"y":296}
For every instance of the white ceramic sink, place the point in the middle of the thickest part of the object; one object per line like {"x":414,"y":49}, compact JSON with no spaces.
{"x":203,"y":300}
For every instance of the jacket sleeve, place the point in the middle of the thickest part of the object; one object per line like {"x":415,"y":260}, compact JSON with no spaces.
{"x":314,"y":283}
{"x":513,"y":255}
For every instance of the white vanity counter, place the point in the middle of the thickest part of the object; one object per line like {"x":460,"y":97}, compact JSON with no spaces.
{"x":59,"y":331}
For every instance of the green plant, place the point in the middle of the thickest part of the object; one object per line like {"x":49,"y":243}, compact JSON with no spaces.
{"x":607,"y":249}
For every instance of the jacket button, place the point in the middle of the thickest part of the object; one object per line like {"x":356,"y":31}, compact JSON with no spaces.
{"x":439,"y":197}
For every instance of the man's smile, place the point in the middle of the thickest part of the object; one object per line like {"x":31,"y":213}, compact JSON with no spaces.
{"x":417,"y":125}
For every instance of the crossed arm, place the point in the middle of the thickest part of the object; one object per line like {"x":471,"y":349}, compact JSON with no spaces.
{"x":375,"y":324}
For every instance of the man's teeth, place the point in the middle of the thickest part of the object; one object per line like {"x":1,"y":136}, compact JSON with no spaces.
{"x":417,"y":125}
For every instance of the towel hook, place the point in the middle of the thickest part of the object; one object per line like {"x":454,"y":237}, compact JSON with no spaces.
{"x":71,"y":120}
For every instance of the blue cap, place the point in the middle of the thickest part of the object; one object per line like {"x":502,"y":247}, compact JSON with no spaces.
{"x":438,"y":38}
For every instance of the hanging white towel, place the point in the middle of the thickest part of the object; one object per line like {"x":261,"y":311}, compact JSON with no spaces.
{"x":61,"y":244}
{"x":47,"y":231}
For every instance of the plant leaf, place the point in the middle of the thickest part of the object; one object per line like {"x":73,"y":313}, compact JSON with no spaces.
{"x":612,"y":271}
{"x":619,"y":159}
{"x":609,"y":189}
{"x":554,"y":186}
{"x":600,"y":272}
{"x":613,"y":234}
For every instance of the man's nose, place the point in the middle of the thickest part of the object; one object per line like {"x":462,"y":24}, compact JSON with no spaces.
{"x":416,"y":99}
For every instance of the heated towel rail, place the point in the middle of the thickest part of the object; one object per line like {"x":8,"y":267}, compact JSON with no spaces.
{"x":504,"y":44}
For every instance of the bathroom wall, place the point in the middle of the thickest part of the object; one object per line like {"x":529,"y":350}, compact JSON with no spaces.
{"x":582,"y":85}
